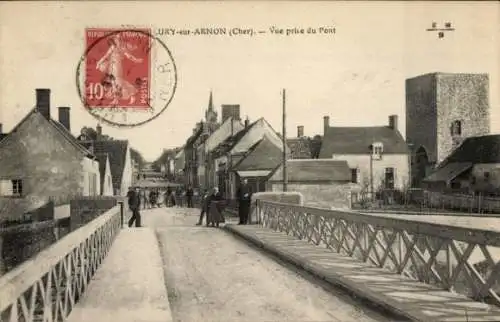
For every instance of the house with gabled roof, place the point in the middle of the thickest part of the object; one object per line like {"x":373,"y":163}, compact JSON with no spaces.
{"x":106,"y":188}
{"x":207,"y":169}
{"x":474,"y":166}
{"x":258,"y":162}
{"x":234,"y":148}
{"x":41,"y":159}
{"x":120,"y":161}
{"x":378,"y":156}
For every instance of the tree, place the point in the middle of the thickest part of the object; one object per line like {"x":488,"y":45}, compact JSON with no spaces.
{"x":315,"y":146}
{"x":137,"y":157}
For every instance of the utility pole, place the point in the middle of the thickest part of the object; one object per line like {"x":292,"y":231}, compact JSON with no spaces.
{"x":285,"y":174}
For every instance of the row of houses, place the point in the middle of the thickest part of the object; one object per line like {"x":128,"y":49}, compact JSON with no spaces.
{"x":41,"y":159}
{"x":447,"y":146}
{"x":346,"y":159}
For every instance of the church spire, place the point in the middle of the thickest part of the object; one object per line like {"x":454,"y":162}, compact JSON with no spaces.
{"x":210,"y":102}
{"x":211,"y":114}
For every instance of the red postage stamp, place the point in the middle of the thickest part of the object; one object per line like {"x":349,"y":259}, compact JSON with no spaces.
{"x":117,"y":68}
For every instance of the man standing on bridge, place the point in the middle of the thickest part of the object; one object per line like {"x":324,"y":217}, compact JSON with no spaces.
{"x":134,"y":203}
{"x":244,"y":199}
{"x":189,"y":196}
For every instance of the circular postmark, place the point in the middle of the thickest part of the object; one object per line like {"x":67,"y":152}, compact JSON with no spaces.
{"x":126,"y":77}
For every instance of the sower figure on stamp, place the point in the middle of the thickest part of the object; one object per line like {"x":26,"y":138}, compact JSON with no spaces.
{"x":111,"y":64}
{"x":244,"y":200}
{"x":134,"y":203}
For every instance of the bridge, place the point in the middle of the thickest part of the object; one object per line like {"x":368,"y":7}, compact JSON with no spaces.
{"x":294,"y":263}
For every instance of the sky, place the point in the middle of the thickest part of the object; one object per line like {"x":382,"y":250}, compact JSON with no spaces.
{"x":356,"y":76}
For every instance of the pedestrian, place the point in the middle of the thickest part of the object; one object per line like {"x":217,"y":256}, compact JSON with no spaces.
{"x":160,"y":198}
{"x":244,"y":196}
{"x":215,"y":209}
{"x":134,"y":204}
{"x":189,"y":196}
{"x":152,"y":198}
{"x":205,"y":201}
{"x":178,"y":196}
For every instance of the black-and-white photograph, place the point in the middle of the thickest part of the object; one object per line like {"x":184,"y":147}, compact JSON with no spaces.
{"x":249,"y":161}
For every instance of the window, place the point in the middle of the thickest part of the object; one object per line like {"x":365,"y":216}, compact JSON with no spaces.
{"x":354,"y":175}
{"x":11,"y":188}
{"x":456,"y":128}
{"x":486,"y":176}
{"x":17,"y":187}
{"x":389,"y":178}
{"x":377,"y":150}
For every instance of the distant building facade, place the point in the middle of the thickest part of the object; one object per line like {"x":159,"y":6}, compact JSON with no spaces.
{"x":377,"y":156}
{"x":442,"y":110}
{"x":234,"y":148}
{"x":473,"y":167}
{"x":120,"y":161}
{"x":300,"y":146}
{"x":207,"y":168}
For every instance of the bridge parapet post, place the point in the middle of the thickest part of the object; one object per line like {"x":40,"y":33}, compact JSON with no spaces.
{"x":462,"y":257}
{"x":47,"y":286}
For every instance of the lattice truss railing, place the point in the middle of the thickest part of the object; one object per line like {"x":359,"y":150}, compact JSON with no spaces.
{"x":458,"y":259}
{"x":52,"y":294}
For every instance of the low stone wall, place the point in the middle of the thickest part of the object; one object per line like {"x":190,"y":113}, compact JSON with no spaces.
{"x":293,"y":197}
{"x":329,"y":196}
{"x":85,"y":210}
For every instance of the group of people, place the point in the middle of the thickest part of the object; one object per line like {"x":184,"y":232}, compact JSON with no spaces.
{"x":212,"y":203}
{"x":156,"y":197}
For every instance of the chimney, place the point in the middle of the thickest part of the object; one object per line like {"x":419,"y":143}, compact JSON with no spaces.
{"x":326,"y":124}
{"x":1,"y":128}
{"x":64,"y":117}
{"x":98,"y":130}
{"x":393,"y":122}
{"x":43,"y":102}
{"x":230,"y":110}
{"x":247,"y":121}
{"x":300,"y":131}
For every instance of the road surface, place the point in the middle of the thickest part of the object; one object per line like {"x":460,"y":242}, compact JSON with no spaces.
{"x":212,"y":276}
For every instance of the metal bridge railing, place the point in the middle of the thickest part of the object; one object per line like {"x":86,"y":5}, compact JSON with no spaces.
{"x":47,"y":286}
{"x":454,"y":257}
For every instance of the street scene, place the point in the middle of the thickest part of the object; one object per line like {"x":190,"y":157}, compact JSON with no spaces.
{"x":305,"y":166}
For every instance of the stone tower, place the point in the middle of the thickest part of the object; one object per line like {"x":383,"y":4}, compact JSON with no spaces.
{"x":441,"y":110}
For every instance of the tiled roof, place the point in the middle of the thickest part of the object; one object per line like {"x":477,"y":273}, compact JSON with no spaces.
{"x":60,"y":129}
{"x":299,"y":147}
{"x":316,"y":170}
{"x":263,"y":155}
{"x":448,"y":172}
{"x":117,"y":152}
{"x":70,"y":137}
{"x":193,"y":137}
{"x":477,"y":149}
{"x":226,"y":145}
{"x":357,"y":140}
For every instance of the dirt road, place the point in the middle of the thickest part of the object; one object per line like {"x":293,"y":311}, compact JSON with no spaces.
{"x":212,"y":276}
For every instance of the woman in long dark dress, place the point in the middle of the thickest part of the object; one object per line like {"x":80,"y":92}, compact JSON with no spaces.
{"x":215,"y":209}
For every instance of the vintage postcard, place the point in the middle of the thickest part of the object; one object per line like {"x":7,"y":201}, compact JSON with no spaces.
{"x":249,"y":161}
